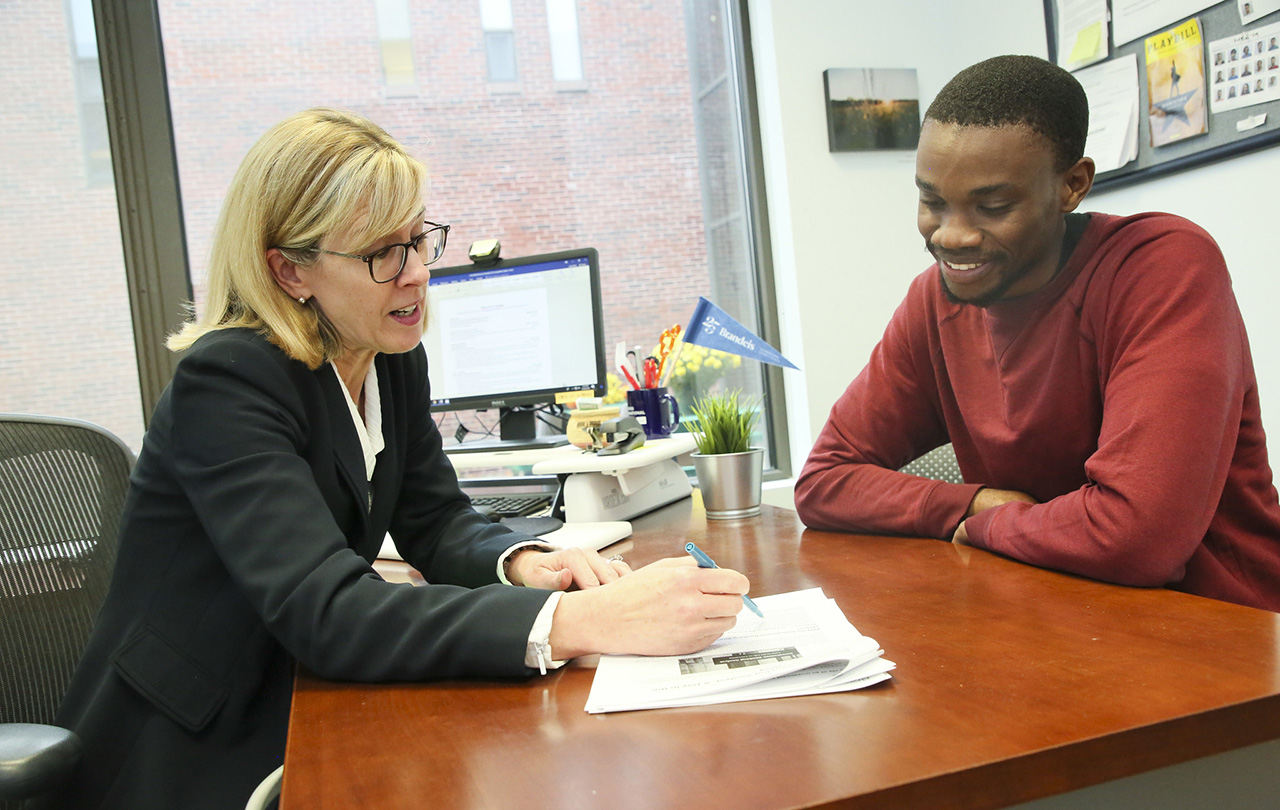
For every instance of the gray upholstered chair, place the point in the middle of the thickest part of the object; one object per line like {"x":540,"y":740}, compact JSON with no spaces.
{"x":939,"y":463}
{"x":62,"y":489}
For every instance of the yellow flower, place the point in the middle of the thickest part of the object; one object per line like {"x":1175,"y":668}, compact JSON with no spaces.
{"x":617,"y":391}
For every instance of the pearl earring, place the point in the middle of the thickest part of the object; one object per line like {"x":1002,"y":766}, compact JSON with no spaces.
{"x":302,"y":299}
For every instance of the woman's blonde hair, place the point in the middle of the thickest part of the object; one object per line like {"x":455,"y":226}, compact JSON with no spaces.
{"x":317,"y":173}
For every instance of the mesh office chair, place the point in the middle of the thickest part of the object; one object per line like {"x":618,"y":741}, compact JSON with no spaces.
{"x":939,"y":463}
{"x":62,"y":488}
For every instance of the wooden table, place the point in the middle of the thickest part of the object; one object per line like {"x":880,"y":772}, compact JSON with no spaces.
{"x":1013,"y":683}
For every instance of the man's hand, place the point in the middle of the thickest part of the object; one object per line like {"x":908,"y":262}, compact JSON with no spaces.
{"x":985,"y":499}
{"x":988,"y":498}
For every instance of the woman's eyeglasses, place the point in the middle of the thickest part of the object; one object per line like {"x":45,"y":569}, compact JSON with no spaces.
{"x":387,"y":263}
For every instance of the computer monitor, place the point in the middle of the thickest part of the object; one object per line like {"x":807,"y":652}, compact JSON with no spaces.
{"x":516,"y":333}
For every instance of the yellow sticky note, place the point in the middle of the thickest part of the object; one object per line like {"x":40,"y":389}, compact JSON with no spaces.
{"x":1087,"y":42}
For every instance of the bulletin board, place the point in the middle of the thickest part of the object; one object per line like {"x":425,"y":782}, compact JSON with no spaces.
{"x":1223,"y":139}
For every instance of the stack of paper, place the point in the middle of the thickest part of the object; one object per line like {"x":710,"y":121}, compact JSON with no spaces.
{"x":803,"y":646}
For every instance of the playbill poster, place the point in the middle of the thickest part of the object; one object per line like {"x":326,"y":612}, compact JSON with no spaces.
{"x":1175,"y":84}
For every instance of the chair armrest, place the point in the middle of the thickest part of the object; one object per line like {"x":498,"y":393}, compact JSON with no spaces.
{"x":267,"y":792}
{"x":34,"y":758}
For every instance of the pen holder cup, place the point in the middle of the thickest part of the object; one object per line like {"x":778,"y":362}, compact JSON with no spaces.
{"x":655,"y":409}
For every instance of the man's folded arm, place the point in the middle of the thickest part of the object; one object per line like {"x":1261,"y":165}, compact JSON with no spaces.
{"x":882,"y":421}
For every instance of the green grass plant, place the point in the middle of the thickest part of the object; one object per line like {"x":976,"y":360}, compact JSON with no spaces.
{"x":725,"y":422}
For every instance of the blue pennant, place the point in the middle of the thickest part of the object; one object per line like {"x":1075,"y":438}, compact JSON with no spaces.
{"x":714,"y":328}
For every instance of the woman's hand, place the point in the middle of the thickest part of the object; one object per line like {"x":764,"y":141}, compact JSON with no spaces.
{"x":668,"y":608}
{"x":560,"y":570}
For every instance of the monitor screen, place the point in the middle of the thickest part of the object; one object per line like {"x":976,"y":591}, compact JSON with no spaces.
{"x":514,"y":333}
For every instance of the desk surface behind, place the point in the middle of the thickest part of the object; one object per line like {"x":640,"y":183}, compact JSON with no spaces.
{"x":1012,"y":683}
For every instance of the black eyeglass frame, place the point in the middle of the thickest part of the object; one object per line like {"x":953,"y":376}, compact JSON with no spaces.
{"x":368,"y":258}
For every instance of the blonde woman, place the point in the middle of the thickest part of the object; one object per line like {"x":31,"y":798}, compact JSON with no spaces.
{"x":295,"y":434}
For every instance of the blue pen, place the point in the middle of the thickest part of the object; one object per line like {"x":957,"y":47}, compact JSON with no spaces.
{"x":706,"y":562}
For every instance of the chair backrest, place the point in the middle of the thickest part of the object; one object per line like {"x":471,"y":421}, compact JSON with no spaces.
{"x":939,"y":463}
{"x":62,"y":489}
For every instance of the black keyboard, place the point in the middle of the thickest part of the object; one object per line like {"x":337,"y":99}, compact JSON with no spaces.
{"x":513,"y":505}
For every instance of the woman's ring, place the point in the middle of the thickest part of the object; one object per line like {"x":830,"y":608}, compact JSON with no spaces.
{"x":615,"y":558}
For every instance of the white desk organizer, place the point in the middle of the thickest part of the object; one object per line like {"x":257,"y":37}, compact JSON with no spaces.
{"x":607,"y":488}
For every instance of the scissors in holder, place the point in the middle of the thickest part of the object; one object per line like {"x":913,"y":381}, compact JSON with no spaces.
{"x":626,"y":366}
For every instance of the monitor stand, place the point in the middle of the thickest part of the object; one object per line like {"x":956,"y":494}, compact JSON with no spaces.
{"x":518,"y":430}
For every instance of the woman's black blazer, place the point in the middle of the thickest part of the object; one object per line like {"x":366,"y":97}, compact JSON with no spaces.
{"x":246,"y":545}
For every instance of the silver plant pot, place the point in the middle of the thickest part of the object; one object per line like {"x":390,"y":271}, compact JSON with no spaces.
{"x":730,"y":483}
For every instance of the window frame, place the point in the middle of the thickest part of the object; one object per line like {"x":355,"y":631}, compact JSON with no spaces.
{"x":145,"y":163}
{"x":743,"y":61}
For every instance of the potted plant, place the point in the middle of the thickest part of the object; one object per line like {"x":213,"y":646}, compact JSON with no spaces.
{"x":729,"y":469}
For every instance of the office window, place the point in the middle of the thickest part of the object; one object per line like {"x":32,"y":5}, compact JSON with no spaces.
{"x":499,"y":39}
{"x":397,"y":50}
{"x":652,"y":164}
{"x":65,"y":328}
{"x":566,"y":49}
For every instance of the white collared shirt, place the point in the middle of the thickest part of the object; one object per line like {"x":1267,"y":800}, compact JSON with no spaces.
{"x":369,"y":429}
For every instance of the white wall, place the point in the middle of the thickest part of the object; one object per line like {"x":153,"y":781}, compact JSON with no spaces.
{"x":843,"y":224}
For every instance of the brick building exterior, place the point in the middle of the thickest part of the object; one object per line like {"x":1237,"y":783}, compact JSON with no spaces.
{"x":66,"y":341}
{"x":611,"y":161}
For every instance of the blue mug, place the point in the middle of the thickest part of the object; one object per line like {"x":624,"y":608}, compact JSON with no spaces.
{"x":656,"y":411}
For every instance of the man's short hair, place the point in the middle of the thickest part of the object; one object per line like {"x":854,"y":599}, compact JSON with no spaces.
{"x":1025,"y":90}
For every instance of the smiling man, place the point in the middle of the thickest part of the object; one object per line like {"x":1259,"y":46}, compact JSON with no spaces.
{"x":1091,"y":371}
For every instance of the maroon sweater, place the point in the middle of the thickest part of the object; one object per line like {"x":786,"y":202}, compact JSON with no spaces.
{"x":1121,"y":396}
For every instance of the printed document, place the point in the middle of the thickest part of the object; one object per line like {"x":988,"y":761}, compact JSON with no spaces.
{"x":1131,"y":19}
{"x":1082,"y":32}
{"x":804,"y":645}
{"x":1112,"y":89}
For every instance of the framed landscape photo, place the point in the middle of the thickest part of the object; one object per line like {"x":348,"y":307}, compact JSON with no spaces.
{"x":871,"y":108}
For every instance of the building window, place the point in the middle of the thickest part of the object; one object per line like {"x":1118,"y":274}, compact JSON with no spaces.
{"x":397,"y":51}
{"x":499,"y":39}
{"x":89,"y":98}
{"x":566,"y":49}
